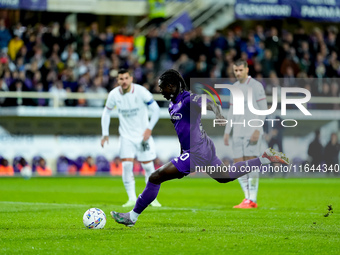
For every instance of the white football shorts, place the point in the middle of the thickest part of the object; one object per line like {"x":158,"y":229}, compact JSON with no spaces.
{"x":143,"y":151}
{"x":243,"y":148}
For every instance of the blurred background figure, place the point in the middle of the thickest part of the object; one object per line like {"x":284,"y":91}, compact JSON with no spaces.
{"x":315,"y":150}
{"x":274,"y":133}
{"x":158,"y":163}
{"x":21,"y":165}
{"x":5,"y":35}
{"x":98,"y":89}
{"x":246,"y":140}
{"x":116,"y":167}
{"x":88,"y":167}
{"x":5,"y":168}
{"x":58,"y":90}
{"x":42,"y":169}
{"x":157,"y":12}
{"x":332,"y":152}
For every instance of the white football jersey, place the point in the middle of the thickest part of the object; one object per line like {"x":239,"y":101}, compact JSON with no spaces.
{"x":258,"y":94}
{"x":132,"y":110}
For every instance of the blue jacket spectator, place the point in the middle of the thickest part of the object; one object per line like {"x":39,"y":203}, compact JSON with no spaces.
{"x":5,"y":36}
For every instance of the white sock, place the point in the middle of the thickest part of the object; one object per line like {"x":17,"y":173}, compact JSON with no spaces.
{"x":264,"y":161}
{"x":129,"y":180}
{"x":253,"y":184}
{"x":134,"y":216}
{"x":243,"y":180}
{"x":149,"y":168}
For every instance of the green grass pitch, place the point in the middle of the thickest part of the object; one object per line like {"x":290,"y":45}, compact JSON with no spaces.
{"x":44,"y":216}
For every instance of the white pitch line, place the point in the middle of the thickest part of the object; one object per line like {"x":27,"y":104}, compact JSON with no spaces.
{"x":153,"y":208}
{"x":82,"y":205}
{"x":36,"y":203}
{"x":188,"y":209}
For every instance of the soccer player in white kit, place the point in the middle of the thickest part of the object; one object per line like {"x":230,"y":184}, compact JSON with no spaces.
{"x":133,"y":102}
{"x":246,"y":140}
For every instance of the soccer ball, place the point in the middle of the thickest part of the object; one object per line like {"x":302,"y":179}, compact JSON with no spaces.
{"x":94,"y":218}
{"x":26,"y":172}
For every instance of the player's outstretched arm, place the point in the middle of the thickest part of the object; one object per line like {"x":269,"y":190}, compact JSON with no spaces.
{"x":217,"y":109}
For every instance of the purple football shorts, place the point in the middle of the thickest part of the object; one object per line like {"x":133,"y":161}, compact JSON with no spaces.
{"x":199,"y":156}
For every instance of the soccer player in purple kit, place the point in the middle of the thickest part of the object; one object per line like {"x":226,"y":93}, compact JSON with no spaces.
{"x":197,"y":149}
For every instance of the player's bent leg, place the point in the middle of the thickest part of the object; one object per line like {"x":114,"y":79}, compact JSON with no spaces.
{"x":244,"y":167}
{"x":164,"y":173}
{"x":223,"y":180}
{"x":149,"y":168}
{"x":221,"y":177}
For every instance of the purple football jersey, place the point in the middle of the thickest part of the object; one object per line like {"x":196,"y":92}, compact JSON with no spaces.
{"x":185,"y":114}
{"x":198,"y":149}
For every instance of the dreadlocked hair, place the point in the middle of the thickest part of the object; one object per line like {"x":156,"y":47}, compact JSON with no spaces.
{"x":173,"y":77}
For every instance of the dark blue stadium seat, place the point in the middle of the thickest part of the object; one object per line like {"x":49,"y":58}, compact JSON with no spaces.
{"x":79,"y":162}
{"x":103,"y":165}
{"x":35,"y":162}
{"x":62,"y":165}
{"x":16,"y":161}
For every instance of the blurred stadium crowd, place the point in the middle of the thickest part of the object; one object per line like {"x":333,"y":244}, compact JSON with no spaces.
{"x":83,"y":166}
{"x":51,"y":58}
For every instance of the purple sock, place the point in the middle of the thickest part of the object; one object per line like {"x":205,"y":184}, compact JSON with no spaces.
{"x":254,"y":162}
{"x":244,"y":170}
{"x":149,"y":194}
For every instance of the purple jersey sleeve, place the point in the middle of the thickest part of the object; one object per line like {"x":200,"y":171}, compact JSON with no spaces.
{"x":196,"y":102}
